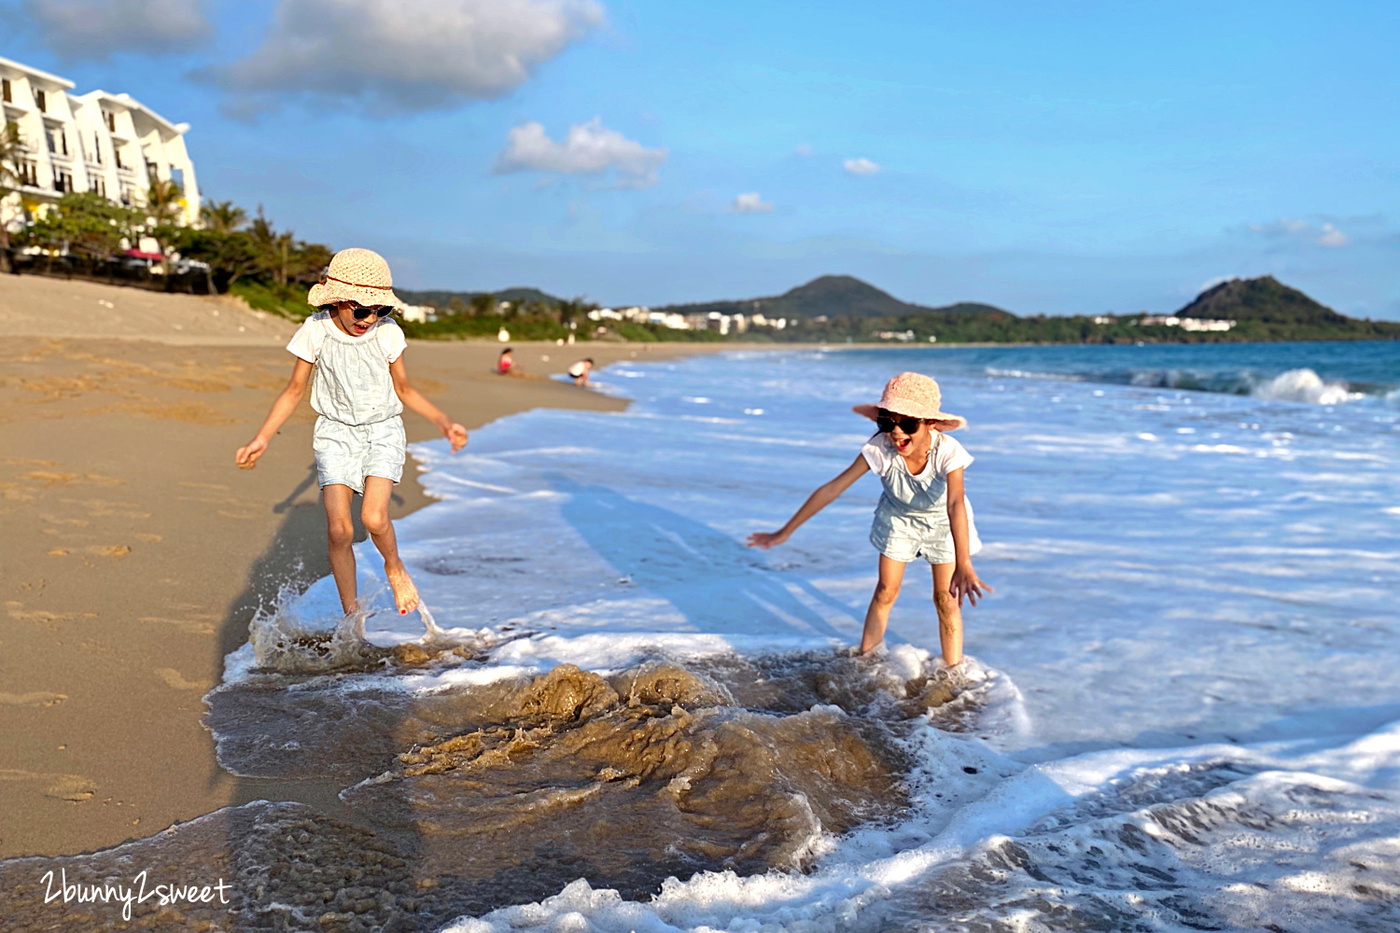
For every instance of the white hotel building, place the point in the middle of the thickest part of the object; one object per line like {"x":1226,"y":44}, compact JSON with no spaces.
{"x":107,"y":143}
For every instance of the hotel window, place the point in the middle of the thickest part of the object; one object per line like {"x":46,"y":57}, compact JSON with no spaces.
{"x":97,"y":148}
{"x":58,"y":140}
{"x":99,"y":184}
{"x":111,"y":119}
{"x":63,"y":181}
{"x":117,"y":155}
{"x":6,"y":92}
{"x":41,"y":100}
{"x":29,"y":174}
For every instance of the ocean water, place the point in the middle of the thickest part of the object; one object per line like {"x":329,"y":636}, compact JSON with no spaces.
{"x":1180,"y":711}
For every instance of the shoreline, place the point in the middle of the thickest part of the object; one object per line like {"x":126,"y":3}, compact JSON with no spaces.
{"x":136,"y":552}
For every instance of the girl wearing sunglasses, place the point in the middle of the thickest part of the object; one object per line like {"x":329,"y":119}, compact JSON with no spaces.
{"x":350,"y":354}
{"x":922,"y":513}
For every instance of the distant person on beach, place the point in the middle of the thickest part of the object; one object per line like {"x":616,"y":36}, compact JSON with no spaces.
{"x":351,"y":355}
{"x":922,"y":512}
{"x":579,"y":372}
{"x":504,"y":362}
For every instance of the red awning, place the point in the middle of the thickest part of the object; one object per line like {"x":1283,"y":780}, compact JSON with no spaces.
{"x":137,"y":254}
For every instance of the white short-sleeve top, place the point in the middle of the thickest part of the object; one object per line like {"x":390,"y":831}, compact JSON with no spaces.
{"x":945,"y":456}
{"x":318,"y":328}
{"x":351,"y":383}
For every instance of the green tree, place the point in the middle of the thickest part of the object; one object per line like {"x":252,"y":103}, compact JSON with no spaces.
{"x":311,"y":258}
{"x":232,"y":256}
{"x":84,"y":223}
{"x":11,"y":150}
{"x":222,"y":216}
{"x":165,"y":201}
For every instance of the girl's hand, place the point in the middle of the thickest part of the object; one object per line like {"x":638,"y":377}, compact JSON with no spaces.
{"x":766,"y":539}
{"x":965,"y":582}
{"x":247,"y":456}
{"x":456,"y":436}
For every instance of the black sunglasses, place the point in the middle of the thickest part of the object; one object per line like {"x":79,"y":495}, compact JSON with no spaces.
{"x":361,"y":313}
{"x":886,"y":422}
{"x":378,"y":310}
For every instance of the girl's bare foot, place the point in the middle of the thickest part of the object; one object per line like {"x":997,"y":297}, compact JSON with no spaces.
{"x":405,"y":593}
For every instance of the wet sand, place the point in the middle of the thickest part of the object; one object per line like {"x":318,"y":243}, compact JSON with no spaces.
{"x":134,"y":552}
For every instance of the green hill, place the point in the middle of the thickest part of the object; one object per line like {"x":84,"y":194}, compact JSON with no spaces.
{"x":442,"y":299}
{"x":830,"y":296}
{"x":1264,"y":299}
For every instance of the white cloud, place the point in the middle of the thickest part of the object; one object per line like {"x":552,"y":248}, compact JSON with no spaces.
{"x":396,"y":55}
{"x":1287,"y":228}
{"x":861,"y":166}
{"x":98,"y":28}
{"x":751,"y":203}
{"x":803,"y":149}
{"x":1331,"y":236}
{"x":589,"y":149}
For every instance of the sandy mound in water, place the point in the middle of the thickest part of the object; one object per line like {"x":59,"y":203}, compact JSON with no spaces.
{"x":470,"y":799}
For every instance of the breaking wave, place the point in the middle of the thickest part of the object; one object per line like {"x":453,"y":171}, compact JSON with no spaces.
{"x":1295,"y":385}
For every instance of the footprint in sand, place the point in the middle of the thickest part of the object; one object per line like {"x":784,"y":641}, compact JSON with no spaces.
{"x":193,"y":626}
{"x":173,"y":679}
{"x":114,"y":551}
{"x":35,"y":698}
{"x":17,"y":612}
{"x":71,"y":787}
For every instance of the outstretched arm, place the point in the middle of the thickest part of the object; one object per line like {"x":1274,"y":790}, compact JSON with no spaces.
{"x":824,"y":495}
{"x":418,"y":402}
{"x":282,"y":407}
{"x":965,"y":581}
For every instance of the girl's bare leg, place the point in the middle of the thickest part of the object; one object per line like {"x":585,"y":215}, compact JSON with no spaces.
{"x":950,"y":634}
{"x":340,"y":540}
{"x":375,"y":514}
{"x":886,"y":592}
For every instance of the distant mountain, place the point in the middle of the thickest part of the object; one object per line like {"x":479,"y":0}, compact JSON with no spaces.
{"x":441,"y":299}
{"x":829,"y":296}
{"x":1264,"y":299}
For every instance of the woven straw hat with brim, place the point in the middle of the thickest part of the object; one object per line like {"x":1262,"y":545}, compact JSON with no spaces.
{"x":358,"y":275}
{"x":914,"y":395}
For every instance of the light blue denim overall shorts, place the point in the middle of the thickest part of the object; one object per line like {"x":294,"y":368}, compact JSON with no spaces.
{"x":359,"y":432}
{"x":911,"y":520}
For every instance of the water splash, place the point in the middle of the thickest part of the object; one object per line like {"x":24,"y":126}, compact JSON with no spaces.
{"x":1304,"y":385}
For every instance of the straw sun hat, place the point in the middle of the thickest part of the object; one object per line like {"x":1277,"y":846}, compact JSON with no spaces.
{"x":915,"y":396}
{"x":358,"y":275}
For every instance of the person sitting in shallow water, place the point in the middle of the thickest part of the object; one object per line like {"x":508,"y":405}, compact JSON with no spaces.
{"x":579,"y":372}
{"x":922,"y":512}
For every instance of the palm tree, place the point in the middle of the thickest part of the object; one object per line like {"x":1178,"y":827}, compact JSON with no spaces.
{"x":165,"y":201}
{"x":223,"y":217}
{"x":11,"y":146}
{"x":275,"y":249}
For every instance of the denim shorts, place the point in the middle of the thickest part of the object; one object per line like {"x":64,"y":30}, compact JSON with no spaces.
{"x":906,"y":538}
{"x":347,"y":453}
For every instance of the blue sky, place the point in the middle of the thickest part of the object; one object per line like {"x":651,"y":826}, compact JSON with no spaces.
{"x":1046,"y":157}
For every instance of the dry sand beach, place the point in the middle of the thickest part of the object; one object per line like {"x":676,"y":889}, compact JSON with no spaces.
{"x":134,"y":551}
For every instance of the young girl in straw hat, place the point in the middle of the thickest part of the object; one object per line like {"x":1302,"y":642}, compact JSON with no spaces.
{"x":351,"y":355}
{"x":922,"y":512}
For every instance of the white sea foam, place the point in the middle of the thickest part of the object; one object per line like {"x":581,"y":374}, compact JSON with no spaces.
{"x":1193,"y":624}
{"x":1304,"y":385}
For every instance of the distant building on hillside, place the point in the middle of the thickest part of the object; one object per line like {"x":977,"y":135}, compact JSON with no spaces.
{"x":107,"y":143}
{"x":1185,"y":323}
